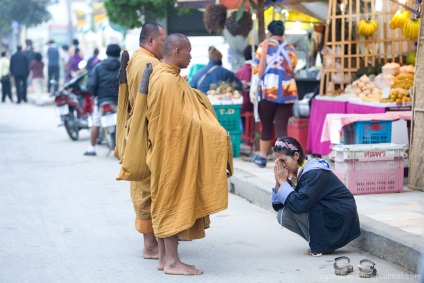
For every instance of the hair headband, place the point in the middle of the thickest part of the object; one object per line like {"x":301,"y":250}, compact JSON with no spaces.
{"x":286,"y":145}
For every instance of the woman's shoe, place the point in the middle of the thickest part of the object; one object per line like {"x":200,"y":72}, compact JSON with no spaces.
{"x":258,"y":160}
{"x":342,"y":269}
{"x":366,"y":270}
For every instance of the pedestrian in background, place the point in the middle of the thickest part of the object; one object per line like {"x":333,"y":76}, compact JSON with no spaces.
{"x":190,"y":147}
{"x":36,"y":67}
{"x":93,"y":60}
{"x":244,"y":74}
{"x":6,"y":89}
{"x":274,"y":64}
{"x":72,"y":64}
{"x":53,"y":61}
{"x":311,"y":201}
{"x":100,"y":85}
{"x":19,"y":68}
{"x":214,"y":73}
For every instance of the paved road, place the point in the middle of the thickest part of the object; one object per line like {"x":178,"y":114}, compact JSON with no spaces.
{"x":63,"y":218}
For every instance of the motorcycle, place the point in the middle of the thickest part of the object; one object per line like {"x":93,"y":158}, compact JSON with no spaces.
{"x":108,"y":123}
{"x":74,"y":106}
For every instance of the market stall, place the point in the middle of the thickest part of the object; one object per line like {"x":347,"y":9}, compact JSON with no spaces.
{"x":365,"y":70}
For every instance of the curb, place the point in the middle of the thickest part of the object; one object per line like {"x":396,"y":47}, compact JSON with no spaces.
{"x":378,"y":239}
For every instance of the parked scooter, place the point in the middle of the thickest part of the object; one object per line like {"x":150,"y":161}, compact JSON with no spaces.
{"x":74,"y":106}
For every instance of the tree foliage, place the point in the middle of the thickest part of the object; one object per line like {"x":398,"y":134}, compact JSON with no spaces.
{"x":26,"y":12}
{"x":134,"y":13}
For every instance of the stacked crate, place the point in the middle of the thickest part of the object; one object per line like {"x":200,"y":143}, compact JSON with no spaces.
{"x":229,"y":117}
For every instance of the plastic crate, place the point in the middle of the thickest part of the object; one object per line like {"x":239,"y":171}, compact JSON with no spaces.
{"x":229,"y":116}
{"x":370,"y":169}
{"x":298,"y":128}
{"x":236,"y":141}
{"x":368,"y":132}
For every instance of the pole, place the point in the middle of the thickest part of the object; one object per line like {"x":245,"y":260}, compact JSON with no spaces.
{"x":70,"y":28}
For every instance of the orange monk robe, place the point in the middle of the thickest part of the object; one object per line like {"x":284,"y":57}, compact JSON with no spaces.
{"x":187,"y":156}
{"x":140,"y":190}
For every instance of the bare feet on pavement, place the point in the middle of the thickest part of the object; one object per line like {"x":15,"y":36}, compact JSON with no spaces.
{"x":180,"y":268}
{"x":152,"y":253}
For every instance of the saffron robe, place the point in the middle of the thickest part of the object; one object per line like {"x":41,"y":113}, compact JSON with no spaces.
{"x":188,"y":156}
{"x":140,"y":189}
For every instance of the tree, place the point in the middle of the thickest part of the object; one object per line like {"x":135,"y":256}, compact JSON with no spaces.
{"x":134,"y":13}
{"x":25,"y":12}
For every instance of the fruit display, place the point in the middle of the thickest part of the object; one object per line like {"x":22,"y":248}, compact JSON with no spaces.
{"x":224,"y":91}
{"x":399,"y":19}
{"x":411,"y":29}
{"x":400,"y":89}
{"x":367,"y":28}
{"x":395,"y":82}
{"x":365,"y":89}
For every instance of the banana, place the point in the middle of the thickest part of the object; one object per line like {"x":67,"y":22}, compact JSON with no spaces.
{"x":411,"y":29}
{"x":367,"y":28}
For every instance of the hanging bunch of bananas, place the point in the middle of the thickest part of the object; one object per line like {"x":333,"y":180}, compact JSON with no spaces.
{"x":399,"y":19}
{"x":367,"y":28}
{"x":411,"y":29}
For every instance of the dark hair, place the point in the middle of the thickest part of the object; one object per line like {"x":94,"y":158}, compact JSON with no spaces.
{"x":65,"y":47}
{"x":149,"y":30}
{"x":37,"y":56}
{"x":247,"y":52}
{"x":96,"y":51}
{"x":290,"y":152}
{"x":19,"y":48}
{"x":3,"y":54}
{"x":276,"y":27}
{"x":77,"y":50}
{"x":75,"y":42}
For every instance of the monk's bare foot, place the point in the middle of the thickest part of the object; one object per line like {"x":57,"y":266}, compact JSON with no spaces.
{"x":308,"y":252}
{"x":161,"y":264}
{"x":180,"y":268}
{"x":152,"y":253}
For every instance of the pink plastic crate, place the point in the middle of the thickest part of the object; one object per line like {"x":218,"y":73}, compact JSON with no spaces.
{"x":370,"y":169}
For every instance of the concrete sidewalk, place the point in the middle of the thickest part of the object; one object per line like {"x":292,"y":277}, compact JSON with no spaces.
{"x":392,"y":224}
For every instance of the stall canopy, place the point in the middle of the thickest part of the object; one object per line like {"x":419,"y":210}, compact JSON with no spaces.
{"x":313,"y":8}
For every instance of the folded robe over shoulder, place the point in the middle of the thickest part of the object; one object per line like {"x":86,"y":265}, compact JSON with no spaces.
{"x":188,"y":155}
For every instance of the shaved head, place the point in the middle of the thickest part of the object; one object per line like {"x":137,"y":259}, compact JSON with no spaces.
{"x":149,"y":30}
{"x":177,"y":50}
{"x":173,"y":41}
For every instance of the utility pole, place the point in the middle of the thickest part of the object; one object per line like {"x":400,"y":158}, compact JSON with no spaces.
{"x":70,"y":28}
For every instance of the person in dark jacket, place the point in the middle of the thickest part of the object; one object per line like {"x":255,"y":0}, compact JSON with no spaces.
{"x":100,"y":84}
{"x":53,"y":58}
{"x":19,"y":69}
{"x":311,"y":201}
{"x":213,"y":73}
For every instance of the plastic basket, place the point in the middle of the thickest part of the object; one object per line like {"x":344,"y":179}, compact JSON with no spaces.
{"x":236,"y":141}
{"x":368,"y":132}
{"x":229,"y":116}
{"x":370,"y":169}
{"x":370,"y":151}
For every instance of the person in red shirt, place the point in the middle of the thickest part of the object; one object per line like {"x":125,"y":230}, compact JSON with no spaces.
{"x":36,"y":68}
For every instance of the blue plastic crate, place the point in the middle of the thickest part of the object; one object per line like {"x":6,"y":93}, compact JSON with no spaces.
{"x":229,"y":116}
{"x":368,"y":132}
{"x":236,"y":141}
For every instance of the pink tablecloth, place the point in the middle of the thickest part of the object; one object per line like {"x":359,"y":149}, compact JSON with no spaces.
{"x":363,"y":109}
{"x":351,"y":118}
{"x":319,"y":110}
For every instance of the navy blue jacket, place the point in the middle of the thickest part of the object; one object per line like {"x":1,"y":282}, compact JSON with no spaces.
{"x":19,"y":65}
{"x":102,"y":78}
{"x":333,"y":217}
{"x":219,"y":74}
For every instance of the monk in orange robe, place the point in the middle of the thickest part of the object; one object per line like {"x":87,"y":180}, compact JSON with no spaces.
{"x":188,"y":156}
